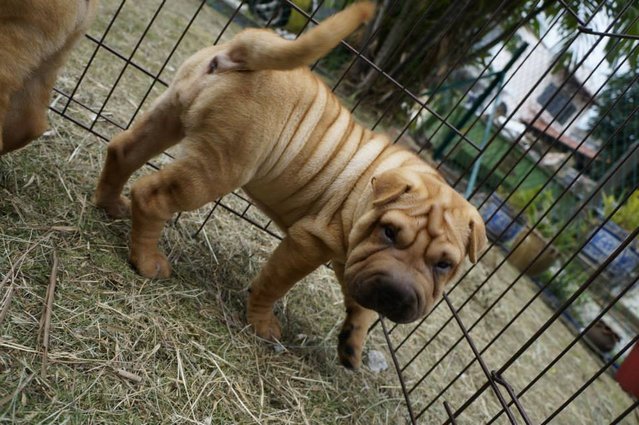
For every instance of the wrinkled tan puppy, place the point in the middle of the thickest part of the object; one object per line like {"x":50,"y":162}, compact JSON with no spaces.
{"x":250,"y":115}
{"x":35,"y":39}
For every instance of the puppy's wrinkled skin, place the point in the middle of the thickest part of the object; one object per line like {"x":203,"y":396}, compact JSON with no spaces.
{"x":36,"y":37}
{"x":395,"y":232}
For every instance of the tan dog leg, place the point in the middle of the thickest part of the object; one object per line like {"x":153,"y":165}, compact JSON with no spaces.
{"x":4,"y":107}
{"x":181,"y":186}
{"x":26,"y":116}
{"x":26,"y":119}
{"x":351,"y":339}
{"x":154,"y":132}
{"x":295,"y":257}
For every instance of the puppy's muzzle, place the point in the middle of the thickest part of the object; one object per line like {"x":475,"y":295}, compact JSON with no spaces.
{"x":391,"y":296}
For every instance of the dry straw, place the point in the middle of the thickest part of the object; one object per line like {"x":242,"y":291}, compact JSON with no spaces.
{"x":120,"y":348}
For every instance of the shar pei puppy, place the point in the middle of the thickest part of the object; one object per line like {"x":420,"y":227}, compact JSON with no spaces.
{"x":36,"y":37}
{"x":249,"y":114}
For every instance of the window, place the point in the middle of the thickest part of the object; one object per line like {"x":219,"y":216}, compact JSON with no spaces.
{"x":560,"y":106}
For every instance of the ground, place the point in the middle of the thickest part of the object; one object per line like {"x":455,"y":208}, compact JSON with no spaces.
{"x":123,"y":349}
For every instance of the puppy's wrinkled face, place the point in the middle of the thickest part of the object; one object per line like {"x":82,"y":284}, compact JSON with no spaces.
{"x":410,"y":244}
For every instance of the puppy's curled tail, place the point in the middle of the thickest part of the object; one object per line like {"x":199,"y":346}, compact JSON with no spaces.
{"x":254,"y":49}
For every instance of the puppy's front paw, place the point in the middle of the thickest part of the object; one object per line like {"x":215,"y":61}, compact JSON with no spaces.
{"x":119,"y":208}
{"x":266,"y":326}
{"x":349,"y":347}
{"x":151,"y":264}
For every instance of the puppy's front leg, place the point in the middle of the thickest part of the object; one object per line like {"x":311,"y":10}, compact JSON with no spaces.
{"x":352,"y":337}
{"x":295,"y":257}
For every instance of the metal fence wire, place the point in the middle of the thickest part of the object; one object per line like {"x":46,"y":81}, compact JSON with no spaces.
{"x":546,"y":147}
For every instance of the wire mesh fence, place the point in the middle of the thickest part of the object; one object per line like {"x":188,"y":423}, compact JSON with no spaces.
{"x":539,"y":131}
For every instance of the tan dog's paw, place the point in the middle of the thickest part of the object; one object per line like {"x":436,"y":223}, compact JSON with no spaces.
{"x":151,"y":265}
{"x":266,"y":326}
{"x":120,"y":208}
{"x":349,"y":348}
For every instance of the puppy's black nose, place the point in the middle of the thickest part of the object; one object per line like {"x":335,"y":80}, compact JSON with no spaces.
{"x":394,"y":299}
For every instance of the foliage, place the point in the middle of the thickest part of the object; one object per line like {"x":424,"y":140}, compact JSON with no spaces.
{"x":566,"y":283}
{"x":539,"y":204}
{"x":418,"y":42}
{"x":567,"y":238}
{"x":615,"y":104}
{"x":535,"y":204}
{"x":566,"y":241}
{"x":614,"y":16}
{"x":628,"y":23}
{"x":627,"y":216}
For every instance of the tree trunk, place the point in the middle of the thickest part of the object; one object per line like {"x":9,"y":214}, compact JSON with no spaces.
{"x":389,"y":46}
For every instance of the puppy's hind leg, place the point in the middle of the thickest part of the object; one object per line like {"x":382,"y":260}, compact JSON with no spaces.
{"x":10,"y":84}
{"x":183,"y":185}
{"x":4,"y":107}
{"x":11,"y":81}
{"x":26,"y":119}
{"x":155,"y":131}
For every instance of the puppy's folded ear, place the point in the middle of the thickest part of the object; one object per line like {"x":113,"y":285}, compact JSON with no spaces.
{"x":477,"y":238}
{"x":389,"y":186}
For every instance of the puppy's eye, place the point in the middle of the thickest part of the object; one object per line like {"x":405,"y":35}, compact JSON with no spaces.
{"x":443,"y":266}
{"x":389,"y":233}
